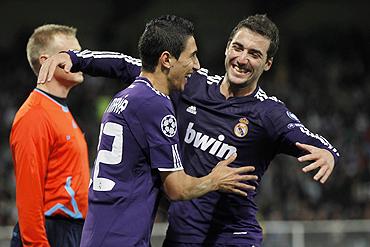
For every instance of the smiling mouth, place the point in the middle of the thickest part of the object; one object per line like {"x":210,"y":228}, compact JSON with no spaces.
{"x":241,"y":70}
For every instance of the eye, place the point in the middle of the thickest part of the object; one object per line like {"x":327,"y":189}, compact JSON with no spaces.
{"x":237,"y":48}
{"x":256,"y":55}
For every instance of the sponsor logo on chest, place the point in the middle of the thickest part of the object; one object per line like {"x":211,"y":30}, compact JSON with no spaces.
{"x":208,"y":144}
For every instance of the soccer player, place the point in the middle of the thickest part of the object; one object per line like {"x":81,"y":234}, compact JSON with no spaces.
{"x":138,"y":144}
{"x":216,"y":113}
{"x":49,"y":152}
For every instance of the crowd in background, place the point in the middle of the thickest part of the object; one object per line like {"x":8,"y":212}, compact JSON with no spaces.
{"x":324,"y":80}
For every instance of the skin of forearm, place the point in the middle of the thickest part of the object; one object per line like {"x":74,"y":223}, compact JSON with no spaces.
{"x":196,"y":187}
{"x":184,"y":187}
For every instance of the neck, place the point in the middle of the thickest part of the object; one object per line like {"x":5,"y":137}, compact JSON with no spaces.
{"x":55,"y":88}
{"x":158,"y":80}
{"x":229,"y":89}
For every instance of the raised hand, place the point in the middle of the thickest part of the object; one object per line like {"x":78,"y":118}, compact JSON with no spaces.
{"x":321,"y":159}
{"x":230,"y":179}
{"x":48,"y":68}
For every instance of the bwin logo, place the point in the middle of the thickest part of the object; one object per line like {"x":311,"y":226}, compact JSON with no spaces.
{"x":204,"y":142}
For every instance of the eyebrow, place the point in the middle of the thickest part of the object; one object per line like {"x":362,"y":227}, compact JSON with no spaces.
{"x":250,"y":50}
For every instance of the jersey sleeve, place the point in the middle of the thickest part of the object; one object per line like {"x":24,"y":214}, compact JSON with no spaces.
{"x":30,"y":142}
{"x":286,"y":129}
{"x":160,"y":126}
{"x":106,"y":64}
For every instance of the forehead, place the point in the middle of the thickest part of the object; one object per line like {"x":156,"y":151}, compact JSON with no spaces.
{"x":249,"y":39}
{"x":64,"y":42}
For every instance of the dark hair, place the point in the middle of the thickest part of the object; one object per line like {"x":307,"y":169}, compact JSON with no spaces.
{"x":165,"y":33}
{"x":263,"y":25}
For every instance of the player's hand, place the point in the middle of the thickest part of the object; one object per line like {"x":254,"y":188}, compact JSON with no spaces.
{"x":48,"y":68}
{"x":230,"y":179}
{"x":321,"y":159}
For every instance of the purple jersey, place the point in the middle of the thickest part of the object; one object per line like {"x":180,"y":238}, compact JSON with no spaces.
{"x":138,"y":139}
{"x":211,"y":128}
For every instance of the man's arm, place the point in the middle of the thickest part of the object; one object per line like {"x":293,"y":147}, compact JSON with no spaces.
{"x":299,"y":141}
{"x":30,"y":148}
{"x":180,"y":186}
{"x":94,"y":63}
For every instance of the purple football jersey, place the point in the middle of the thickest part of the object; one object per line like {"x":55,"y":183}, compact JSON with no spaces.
{"x":211,"y":128}
{"x":138,"y":139}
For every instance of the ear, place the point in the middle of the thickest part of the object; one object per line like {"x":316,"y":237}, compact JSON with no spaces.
{"x":42,"y":58}
{"x":268,"y":64}
{"x":165,"y":59}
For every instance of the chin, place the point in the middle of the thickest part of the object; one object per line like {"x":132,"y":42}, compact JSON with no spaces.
{"x":238,"y":80}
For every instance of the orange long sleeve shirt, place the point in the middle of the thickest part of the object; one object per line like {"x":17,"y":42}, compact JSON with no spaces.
{"x":51,"y":166}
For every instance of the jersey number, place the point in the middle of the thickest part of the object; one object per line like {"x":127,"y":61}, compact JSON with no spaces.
{"x":113,"y":157}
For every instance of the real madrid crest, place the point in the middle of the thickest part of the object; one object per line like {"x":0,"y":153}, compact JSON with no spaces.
{"x":241,"y":128}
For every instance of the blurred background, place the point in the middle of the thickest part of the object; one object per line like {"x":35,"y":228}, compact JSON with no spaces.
{"x":321,"y":72}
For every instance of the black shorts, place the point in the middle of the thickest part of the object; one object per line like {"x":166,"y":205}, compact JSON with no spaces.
{"x":61,"y":232}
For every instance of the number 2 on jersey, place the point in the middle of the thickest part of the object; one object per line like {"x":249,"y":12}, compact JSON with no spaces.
{"x":108,"y":157}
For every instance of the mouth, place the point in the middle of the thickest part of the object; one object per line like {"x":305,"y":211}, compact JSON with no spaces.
{"x":241,"y":69}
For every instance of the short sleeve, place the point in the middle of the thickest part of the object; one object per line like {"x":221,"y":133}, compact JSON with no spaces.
{"x":159,"y":123}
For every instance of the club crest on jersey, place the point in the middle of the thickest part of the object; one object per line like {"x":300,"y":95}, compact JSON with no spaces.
{"x":241,"y":128}
{"x":169,"y":125}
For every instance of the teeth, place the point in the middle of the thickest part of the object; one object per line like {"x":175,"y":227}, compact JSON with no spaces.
{"x":240,"y":70}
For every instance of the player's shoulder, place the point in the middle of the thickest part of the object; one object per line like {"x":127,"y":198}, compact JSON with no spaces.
{"x":140,"y":95}
{"x":267,"y":105}
{"x":30,"y":120}
{"x":143,"y":91}
{"x":31,"y":113}
{"x":203,"y":75}
{"x":264,"y":100}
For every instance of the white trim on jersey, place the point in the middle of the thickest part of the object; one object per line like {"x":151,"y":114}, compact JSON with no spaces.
{"x":176,"y":156}
{"x":214,"y":79}
{"x":107,"y":54}
{"x":262,"y":96}
{"x":322,"y":139}
{"x":154,"y":90}
{"x":210,"y":78}
{"x":203,"y":71}
{"x":170,"y":169}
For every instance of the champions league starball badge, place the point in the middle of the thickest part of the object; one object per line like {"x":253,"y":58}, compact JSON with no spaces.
{"x":241,"y":128}
{"x":169,"y":125}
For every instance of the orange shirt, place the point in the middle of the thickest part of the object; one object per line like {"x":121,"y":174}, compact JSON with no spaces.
{"x":51,"y":166}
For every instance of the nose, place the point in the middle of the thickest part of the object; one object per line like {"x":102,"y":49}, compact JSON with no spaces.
{"x":196,"y":64}
{"x":243,"y":57}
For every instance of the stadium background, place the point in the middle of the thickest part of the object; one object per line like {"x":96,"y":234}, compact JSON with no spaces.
{"x":321,"y":72}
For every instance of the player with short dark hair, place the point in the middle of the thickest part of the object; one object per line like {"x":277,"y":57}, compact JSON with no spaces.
{"x":49,"y":152}
{"x":217,"y":114}
{"x":138,"y":145}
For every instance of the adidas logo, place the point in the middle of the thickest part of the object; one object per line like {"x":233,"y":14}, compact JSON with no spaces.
{"x":192,"y":109}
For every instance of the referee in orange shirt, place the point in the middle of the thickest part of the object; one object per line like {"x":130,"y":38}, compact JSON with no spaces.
{"x":49,"y":152}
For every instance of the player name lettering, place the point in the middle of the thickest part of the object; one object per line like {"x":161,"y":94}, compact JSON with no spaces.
{"x":207,"y":143}
{"x":117,"y":105}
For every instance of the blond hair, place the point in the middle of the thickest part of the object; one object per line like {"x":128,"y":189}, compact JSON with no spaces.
{"x":41,"y":41}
